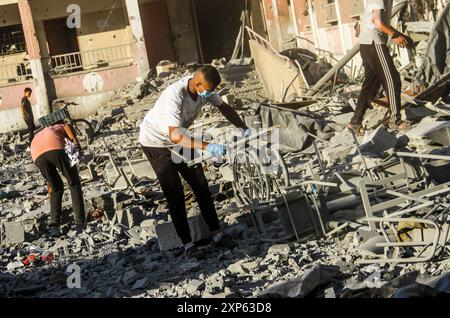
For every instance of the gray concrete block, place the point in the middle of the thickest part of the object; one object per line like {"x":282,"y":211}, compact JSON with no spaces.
{"x":168,"y":238}
{"x":129,"y":217}
{"x":333,"y":154}
{"x":12,"y":233}
{"x":135,"y":216}
{"x":378,"y":141}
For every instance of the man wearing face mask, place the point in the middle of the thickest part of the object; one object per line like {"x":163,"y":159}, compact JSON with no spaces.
{"x":163,"y":128}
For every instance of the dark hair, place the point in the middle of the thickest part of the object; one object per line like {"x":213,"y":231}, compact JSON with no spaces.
{"x":211,"y":75}
{"x":28,"y":90}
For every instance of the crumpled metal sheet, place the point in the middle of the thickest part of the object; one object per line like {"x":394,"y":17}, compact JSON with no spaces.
{"x":319,"y":276}
{"x":294,"y":127}
{"x":436,"y":61}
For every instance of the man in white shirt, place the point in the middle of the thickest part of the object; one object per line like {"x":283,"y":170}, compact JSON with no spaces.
{"x":164,"y":127}
{"x":378,"y":64}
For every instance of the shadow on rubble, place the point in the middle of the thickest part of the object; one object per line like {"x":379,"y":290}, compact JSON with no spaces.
{"x":130,"y":272}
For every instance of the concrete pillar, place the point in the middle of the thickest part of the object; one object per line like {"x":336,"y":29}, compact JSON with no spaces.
{"x":34,"y":54}
{"x":341,"y":26}
{"x":315,"y":28}
{"x":294,"y":17}
{"x":277,"y":25}
{"x":137,"y":30}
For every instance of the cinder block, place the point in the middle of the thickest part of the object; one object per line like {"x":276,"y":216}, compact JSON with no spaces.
{"x":168,"y":238}
{"x":129,"y":217}
{"x":12,"y":233}
{"x":135,"y":216}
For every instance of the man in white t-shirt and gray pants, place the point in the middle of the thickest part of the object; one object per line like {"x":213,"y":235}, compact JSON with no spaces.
{"x":164,"y":127}
{"x":378,"y":64}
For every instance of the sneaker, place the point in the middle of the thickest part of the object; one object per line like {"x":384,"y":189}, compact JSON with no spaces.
{"x":225,"y":241}
{"x":194,"y":252}
{"x":54,"y":231}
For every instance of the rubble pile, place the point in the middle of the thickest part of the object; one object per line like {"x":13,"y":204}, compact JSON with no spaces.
{"x":129,"y":242}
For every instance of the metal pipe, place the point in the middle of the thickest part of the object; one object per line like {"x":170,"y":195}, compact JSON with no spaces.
{"x":347,"y":57}
{"x":423,"y":156}
{"x":343,"y":203}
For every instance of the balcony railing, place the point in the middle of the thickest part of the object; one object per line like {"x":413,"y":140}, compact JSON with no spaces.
{"x":329,"y":10}
{"x":92,"y":59}
{"x":15,"y":73}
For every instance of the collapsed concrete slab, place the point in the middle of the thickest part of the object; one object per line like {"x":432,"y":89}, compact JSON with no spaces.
{"x":138,"y":168}
{"x":427,"y":132}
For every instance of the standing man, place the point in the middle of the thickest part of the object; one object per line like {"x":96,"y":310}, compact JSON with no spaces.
{"x":378,"y":64}
{"x":47,"y":152}
{"x":27,"y":113}
{"x":163,"y":127}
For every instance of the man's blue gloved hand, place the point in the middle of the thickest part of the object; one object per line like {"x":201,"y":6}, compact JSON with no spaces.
{"x":217,"y":150}
{"x":247,"y":132}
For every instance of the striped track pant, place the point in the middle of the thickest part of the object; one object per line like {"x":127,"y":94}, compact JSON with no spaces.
{"x":379,"y":70}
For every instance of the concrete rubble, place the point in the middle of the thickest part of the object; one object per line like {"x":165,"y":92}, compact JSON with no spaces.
{"x":132,"y":250}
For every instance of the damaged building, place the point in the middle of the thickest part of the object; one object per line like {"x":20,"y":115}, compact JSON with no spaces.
{"x":337,"y":215}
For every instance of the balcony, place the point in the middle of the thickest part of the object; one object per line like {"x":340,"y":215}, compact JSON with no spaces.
{"x":15,"y":73}
{"x":356,"y":8}
{"x":329,"y":12}
{"x":89,"y":60}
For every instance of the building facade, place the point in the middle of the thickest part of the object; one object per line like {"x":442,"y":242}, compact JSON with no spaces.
{"x":85,"y":52}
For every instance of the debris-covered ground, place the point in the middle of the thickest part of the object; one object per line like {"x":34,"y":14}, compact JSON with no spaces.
{"x":122,"y":254}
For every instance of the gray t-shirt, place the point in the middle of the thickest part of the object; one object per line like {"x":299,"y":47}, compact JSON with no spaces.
{"x":371,"y":33}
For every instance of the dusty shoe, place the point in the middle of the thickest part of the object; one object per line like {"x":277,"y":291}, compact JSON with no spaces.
{"x":400,"y":125}
{"x":54,"y":231}
{"x":357,"y":128}
{"x":194,"y":252}
{"x":224,"y":241}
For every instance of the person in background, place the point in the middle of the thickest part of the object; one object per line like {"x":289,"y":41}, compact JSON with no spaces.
{"x":379,"y":67}
{"x":47,"y":152}
{"x":27,"y":113}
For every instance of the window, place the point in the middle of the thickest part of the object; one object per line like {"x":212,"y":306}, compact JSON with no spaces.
{"x":12,"y":40}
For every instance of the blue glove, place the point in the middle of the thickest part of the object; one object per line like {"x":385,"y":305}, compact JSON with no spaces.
{"x":247,"y":132}
{"x":217,"y":150}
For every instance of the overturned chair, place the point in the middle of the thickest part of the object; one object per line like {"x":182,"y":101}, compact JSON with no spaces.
{"x":410,"y":224}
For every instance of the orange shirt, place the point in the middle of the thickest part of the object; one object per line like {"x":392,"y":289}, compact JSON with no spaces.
{"x":50,"y":138}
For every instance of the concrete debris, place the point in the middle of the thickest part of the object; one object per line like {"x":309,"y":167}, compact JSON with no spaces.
{"x":12,"y":233}
{"x":165,"y":68}
{"x":301,"y":287}
{"x":132,"y":250}
{"x":168,"y":238}
{"x":378,"y":141}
